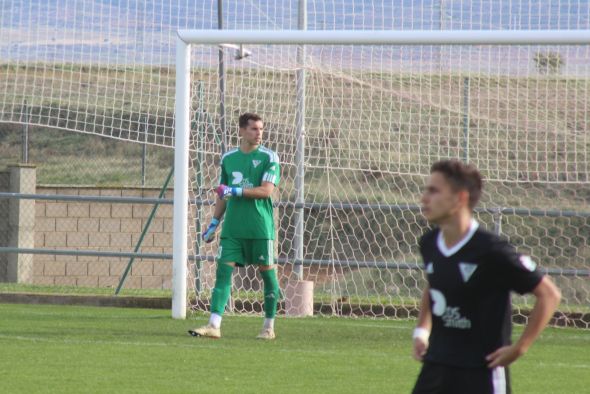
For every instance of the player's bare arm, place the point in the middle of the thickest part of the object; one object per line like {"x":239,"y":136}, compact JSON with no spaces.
{"x":263,"y":191}
{"x":422,"y":330}
{"x":547,"y":299}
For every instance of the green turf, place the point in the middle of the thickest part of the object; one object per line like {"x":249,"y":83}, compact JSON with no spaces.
{"x":66,"y":349}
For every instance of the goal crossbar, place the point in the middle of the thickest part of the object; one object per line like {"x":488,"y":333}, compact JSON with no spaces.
{"x":387,"y":37}
{"x":305,"y":37}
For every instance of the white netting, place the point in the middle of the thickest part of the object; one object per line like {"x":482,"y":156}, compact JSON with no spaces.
{"x":376,"y":118}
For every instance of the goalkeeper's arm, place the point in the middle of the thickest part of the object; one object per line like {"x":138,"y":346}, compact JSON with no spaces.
{"x":209,"y":232}
{"x":263,"y":191}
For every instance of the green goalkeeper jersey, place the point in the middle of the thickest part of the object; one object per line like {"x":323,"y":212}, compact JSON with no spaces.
{"x":248,"y":218}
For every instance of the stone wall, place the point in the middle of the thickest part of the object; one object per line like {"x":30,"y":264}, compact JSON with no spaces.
{"x":106,"y":227}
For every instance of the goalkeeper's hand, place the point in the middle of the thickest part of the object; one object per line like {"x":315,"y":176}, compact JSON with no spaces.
{"x":224,"y":192}
{"x":209,"y":233}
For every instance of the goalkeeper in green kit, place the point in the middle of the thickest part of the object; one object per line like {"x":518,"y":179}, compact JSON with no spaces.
{"x":249,"y":175}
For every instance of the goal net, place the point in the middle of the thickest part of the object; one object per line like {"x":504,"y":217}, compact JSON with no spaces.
{"x":357,"y":128}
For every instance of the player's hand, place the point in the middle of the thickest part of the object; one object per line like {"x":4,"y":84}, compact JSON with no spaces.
{"x":420,"y":346}
{"x":224,"y":192}
{"x":209,"y":233}
{"x":503,"y":356}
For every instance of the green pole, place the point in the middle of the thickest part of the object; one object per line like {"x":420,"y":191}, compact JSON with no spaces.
{"x":145,"y":230}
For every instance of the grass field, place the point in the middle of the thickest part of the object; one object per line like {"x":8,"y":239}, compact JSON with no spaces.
{"x":66,"y":349}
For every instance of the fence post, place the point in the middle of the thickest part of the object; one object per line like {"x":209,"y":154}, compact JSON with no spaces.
{"x":21,"y":224}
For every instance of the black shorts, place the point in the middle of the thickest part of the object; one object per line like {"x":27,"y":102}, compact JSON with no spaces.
{"x":444,"y":379}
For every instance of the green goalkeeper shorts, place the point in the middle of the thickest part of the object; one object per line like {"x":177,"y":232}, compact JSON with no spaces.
{"x":246,"y":251}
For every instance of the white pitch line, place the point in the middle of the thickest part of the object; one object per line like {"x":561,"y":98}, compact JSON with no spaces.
{"x":219,"y":345}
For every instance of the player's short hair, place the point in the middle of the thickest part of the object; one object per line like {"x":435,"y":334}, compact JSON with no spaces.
{"x":461,"y":176}
{"x":247,"y":117}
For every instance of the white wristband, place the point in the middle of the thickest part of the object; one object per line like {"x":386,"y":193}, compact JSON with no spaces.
{"x":422,"y":333}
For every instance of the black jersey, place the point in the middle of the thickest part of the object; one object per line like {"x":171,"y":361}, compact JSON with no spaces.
{"x":470,"y":287}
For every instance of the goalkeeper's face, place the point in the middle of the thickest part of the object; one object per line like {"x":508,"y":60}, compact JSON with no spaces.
{"x":252,"y":133}
{"x":440,"y":203}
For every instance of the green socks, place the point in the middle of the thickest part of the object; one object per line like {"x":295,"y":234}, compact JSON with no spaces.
{"x":271,"y":292}
{"x":222,"y":289}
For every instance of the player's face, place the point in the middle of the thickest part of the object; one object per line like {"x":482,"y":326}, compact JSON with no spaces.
{"x":252,"y":133}
{"x":439,"y":201}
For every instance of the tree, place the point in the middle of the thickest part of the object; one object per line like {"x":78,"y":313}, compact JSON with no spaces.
{"x":549,"y":63}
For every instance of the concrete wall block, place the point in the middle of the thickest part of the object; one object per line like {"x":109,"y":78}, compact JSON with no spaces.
{"x":156,"y":226}
{"x":65,"y":281}
{"x":89,"y":224}
{"x":108,"y":281}
{"x":109,"y":259}
{"x":121,"y":240}
{"x":98,"y":268}
{"x":110,"y":192}
{"x":40,"y":208}
{"x":87,"y":259}
{"x":70,"y":191}
{"x":56,"y":210}
{"x":132,"y":282}
{"x":151,"y":282}
{"x":79,"y":210}
{"x":100,"y":210}
{"x":99,"y":239}
{"x":131,"y":225}
{"x":39,"y":240}
{"x":162,"y":239}
{"x":165,"y":211}
{"x":44,"y":280}
{"x":121,"y":211}
{"x":57,"y":240}
{"x":44,"y":224}
{"x":168,"y":226}
{"x":140,"y":210}
{"x":66,"y":224}
{"x":132,"y":192}
{"x":163,"y":267}
{"x":148,"y":240}
{"x":141,"y":268}
{"x":76,"y":269}
{"x":116,"y":268}
{"x":38,"y":268}
{"x":67,"y":258}
{"x":88,"y":191}
{"x":154,"y":249}
{"x":45,"y":257}
{"x":109,"y":225}
{"x":77,"y":239}
{"x":54,"y":268}
{"x":87,"y":281}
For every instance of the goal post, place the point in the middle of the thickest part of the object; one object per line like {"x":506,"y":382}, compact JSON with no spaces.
{"x":333,"y":207}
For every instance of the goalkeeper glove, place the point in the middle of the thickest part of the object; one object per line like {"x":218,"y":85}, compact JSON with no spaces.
{"x":224,"y":192}
{"x":209,"y":234}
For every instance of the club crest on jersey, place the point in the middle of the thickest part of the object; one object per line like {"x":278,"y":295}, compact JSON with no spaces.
{"x":528,"y":263}
{"x":429,"y":268}
{"x":467,"y":269}
{"x":255,"y":163}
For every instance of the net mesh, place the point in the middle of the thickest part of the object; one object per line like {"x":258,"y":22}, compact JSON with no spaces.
{"x":376,"y":118}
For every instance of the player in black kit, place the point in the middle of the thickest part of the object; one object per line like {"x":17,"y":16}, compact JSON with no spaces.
{"x":464,"y":327}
